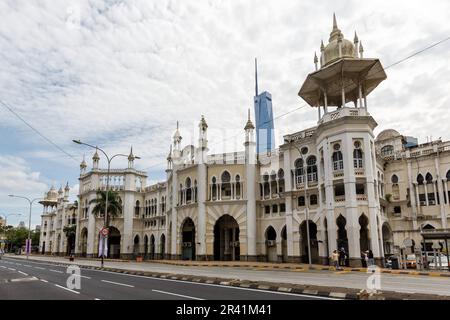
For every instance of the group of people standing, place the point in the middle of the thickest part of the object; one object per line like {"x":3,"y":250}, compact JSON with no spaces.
{"x":339,"y":258}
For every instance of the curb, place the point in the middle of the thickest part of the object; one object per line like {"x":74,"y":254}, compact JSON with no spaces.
{"x":309,"y":290}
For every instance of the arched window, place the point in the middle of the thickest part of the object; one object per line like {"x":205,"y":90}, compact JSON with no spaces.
{"x":226,"y":185}
{"x":214,"y":188}
{"x":311,"y":168}
{"x":387,"y":150}
{"x":429,"y":178}
{"x":238,"y":186}
{"x":357,"y":158}
{"x":420,"y":179}
{"x":281,"y":174}
{"x":137,"y":209}
{"x":395,"y":187}
{"x":448,"y":175}
{"x":298,"y":164}
{"x":188,"y":190}
{"x":195,"y":190}
{"x":338,"y":161}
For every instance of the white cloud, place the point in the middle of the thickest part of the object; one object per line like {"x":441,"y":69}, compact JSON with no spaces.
{"x":120,"y":73}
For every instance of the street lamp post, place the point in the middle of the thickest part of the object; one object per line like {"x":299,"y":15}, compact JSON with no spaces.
{"x":305,"y":181}
{"x":107,"y":189}
{"x":30,"y":201}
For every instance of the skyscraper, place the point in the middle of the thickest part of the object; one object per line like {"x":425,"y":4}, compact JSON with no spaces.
{"x":265,"y":137}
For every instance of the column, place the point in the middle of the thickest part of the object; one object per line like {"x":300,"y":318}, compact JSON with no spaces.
{"x":372,"y":201}
{"x":329,"y":198}
{"x":288,"y":198}
{"x":250,"y":175}
{"x":441,"y":193}
{"x":412,"y":196}
{"x":351,"y":207}
{"x":92,"y":232}
{"x":201,"y":198}
{"x":426,"y":193}
{"x":174,"y":235}
{"x":416,"y":190}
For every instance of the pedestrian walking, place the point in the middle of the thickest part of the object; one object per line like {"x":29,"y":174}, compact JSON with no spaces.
{"x":370,"y":259}
{"x":342,"y":257}
{"x":335,"y":258}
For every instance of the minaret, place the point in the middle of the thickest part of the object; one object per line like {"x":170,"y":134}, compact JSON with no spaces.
{"x":169,"y":162}
{"x":66,"y":192}
{"x":95,"y":160}
{"x":60,"y":194}
{"x":177,"y":143}
{"x":355,"y":42}
{"x":250,"y":186}
{"x":202,"y":176}
{"x":131,"y":159}
{"x":83,"y":166}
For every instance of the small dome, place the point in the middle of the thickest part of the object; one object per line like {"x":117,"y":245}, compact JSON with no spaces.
{"x":331,"y":51}
{"x":388,"y":134}
{"x":52,"y":194}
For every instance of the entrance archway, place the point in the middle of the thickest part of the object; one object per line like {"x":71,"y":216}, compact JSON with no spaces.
{"x":271,"y":244}
{"x":152,"y":247}
{"x":387,"y":239}
{"x":70,"y":248}
{"x":145,"y":247}
{"x":284,"y":252}
{"x":136,"y":246}
{"x":364,"y":243}
{"x":188,"y":240}
{"x":342,"y":240}
{"x":304,"y":242}
{"x":43,"y":247}
{"x":114,"y":243}
{"x":163,"y":246}
{"x":84,"y":239}
{"x":226,"y":239}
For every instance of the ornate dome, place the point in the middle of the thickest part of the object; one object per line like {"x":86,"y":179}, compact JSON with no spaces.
{"x":331,"y":51}
{"x":52,"y":194}
{"x":388,"y":134}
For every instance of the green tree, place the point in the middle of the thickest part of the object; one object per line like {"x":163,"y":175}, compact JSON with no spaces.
{"x":114,"y":204}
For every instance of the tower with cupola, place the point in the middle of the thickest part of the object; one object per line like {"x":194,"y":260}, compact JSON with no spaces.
{"x":338,"y":88}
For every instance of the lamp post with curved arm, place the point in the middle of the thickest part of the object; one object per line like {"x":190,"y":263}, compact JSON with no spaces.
{"x":305,"y":181}
{"x":109,"y":159}
{"x":30,"y":201}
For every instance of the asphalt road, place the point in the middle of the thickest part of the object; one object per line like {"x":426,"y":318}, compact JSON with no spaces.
{"x":346,"y":279}
{"x":21,"y":279}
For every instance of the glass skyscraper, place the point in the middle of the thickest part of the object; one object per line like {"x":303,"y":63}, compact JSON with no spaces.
{"x":265,"y":137}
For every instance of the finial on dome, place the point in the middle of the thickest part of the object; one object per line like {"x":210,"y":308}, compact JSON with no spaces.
{"x":361,"y":49}
{"x":96,"y":156}
{"x":83,"y":163}
{"x":334,"y":21}
{"x":335,"y":32}
{"x":67,"y":186}
{"x":131,"y":155}
{"x":249,"y":124}
{"x":322,"y":47}
{"x":355,"y":39}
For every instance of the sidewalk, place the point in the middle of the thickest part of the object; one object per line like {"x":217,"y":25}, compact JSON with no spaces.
{"x":292,"y":266}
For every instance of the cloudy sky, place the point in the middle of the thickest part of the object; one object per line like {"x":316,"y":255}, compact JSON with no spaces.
{"x":121,"y":73}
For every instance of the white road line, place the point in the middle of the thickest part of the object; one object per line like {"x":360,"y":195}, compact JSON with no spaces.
{"x":40,"y":268}
{"x":25,"y":274}
{"x":73,"y":291}
{"x":222,"y":286}
{"x":3,"y":267}
{"x":118,"y":283}
{"x":178,"y":295}
{"x":83,"y":276}
{"x":55,"y":271}
{"x":44,"y":280}
{"x":96,"y":299}
{"x":27,"y":265}
{"x":18,"y":264}
{"x":12,"y":269}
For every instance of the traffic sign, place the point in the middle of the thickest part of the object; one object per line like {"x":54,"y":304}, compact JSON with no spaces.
{"x":104,"y":231}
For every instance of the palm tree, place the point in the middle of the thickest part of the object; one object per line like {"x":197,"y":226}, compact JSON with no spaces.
{"x":114,"y":204}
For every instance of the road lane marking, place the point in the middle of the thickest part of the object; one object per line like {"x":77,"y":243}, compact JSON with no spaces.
{"x":73,"y":291}
{"x":55,"y":271}
{"x":12,"y":269}
{"x":3,"y":267}
{"x":178,"y":295}
{"x":18,"y":264}
{"x":27,"y":265}
{"x":40,"y":268}
{"x":24,"y":279}
{"x":118,"y":283}
{"x":96,"y":299}
{"x":222,"y":286}
{"x":83,"y":276}
{"x":25,"y":274}
{"x":43,"y":280}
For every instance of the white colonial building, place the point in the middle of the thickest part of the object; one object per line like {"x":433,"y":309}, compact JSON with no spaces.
{"x":356,"y":191}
